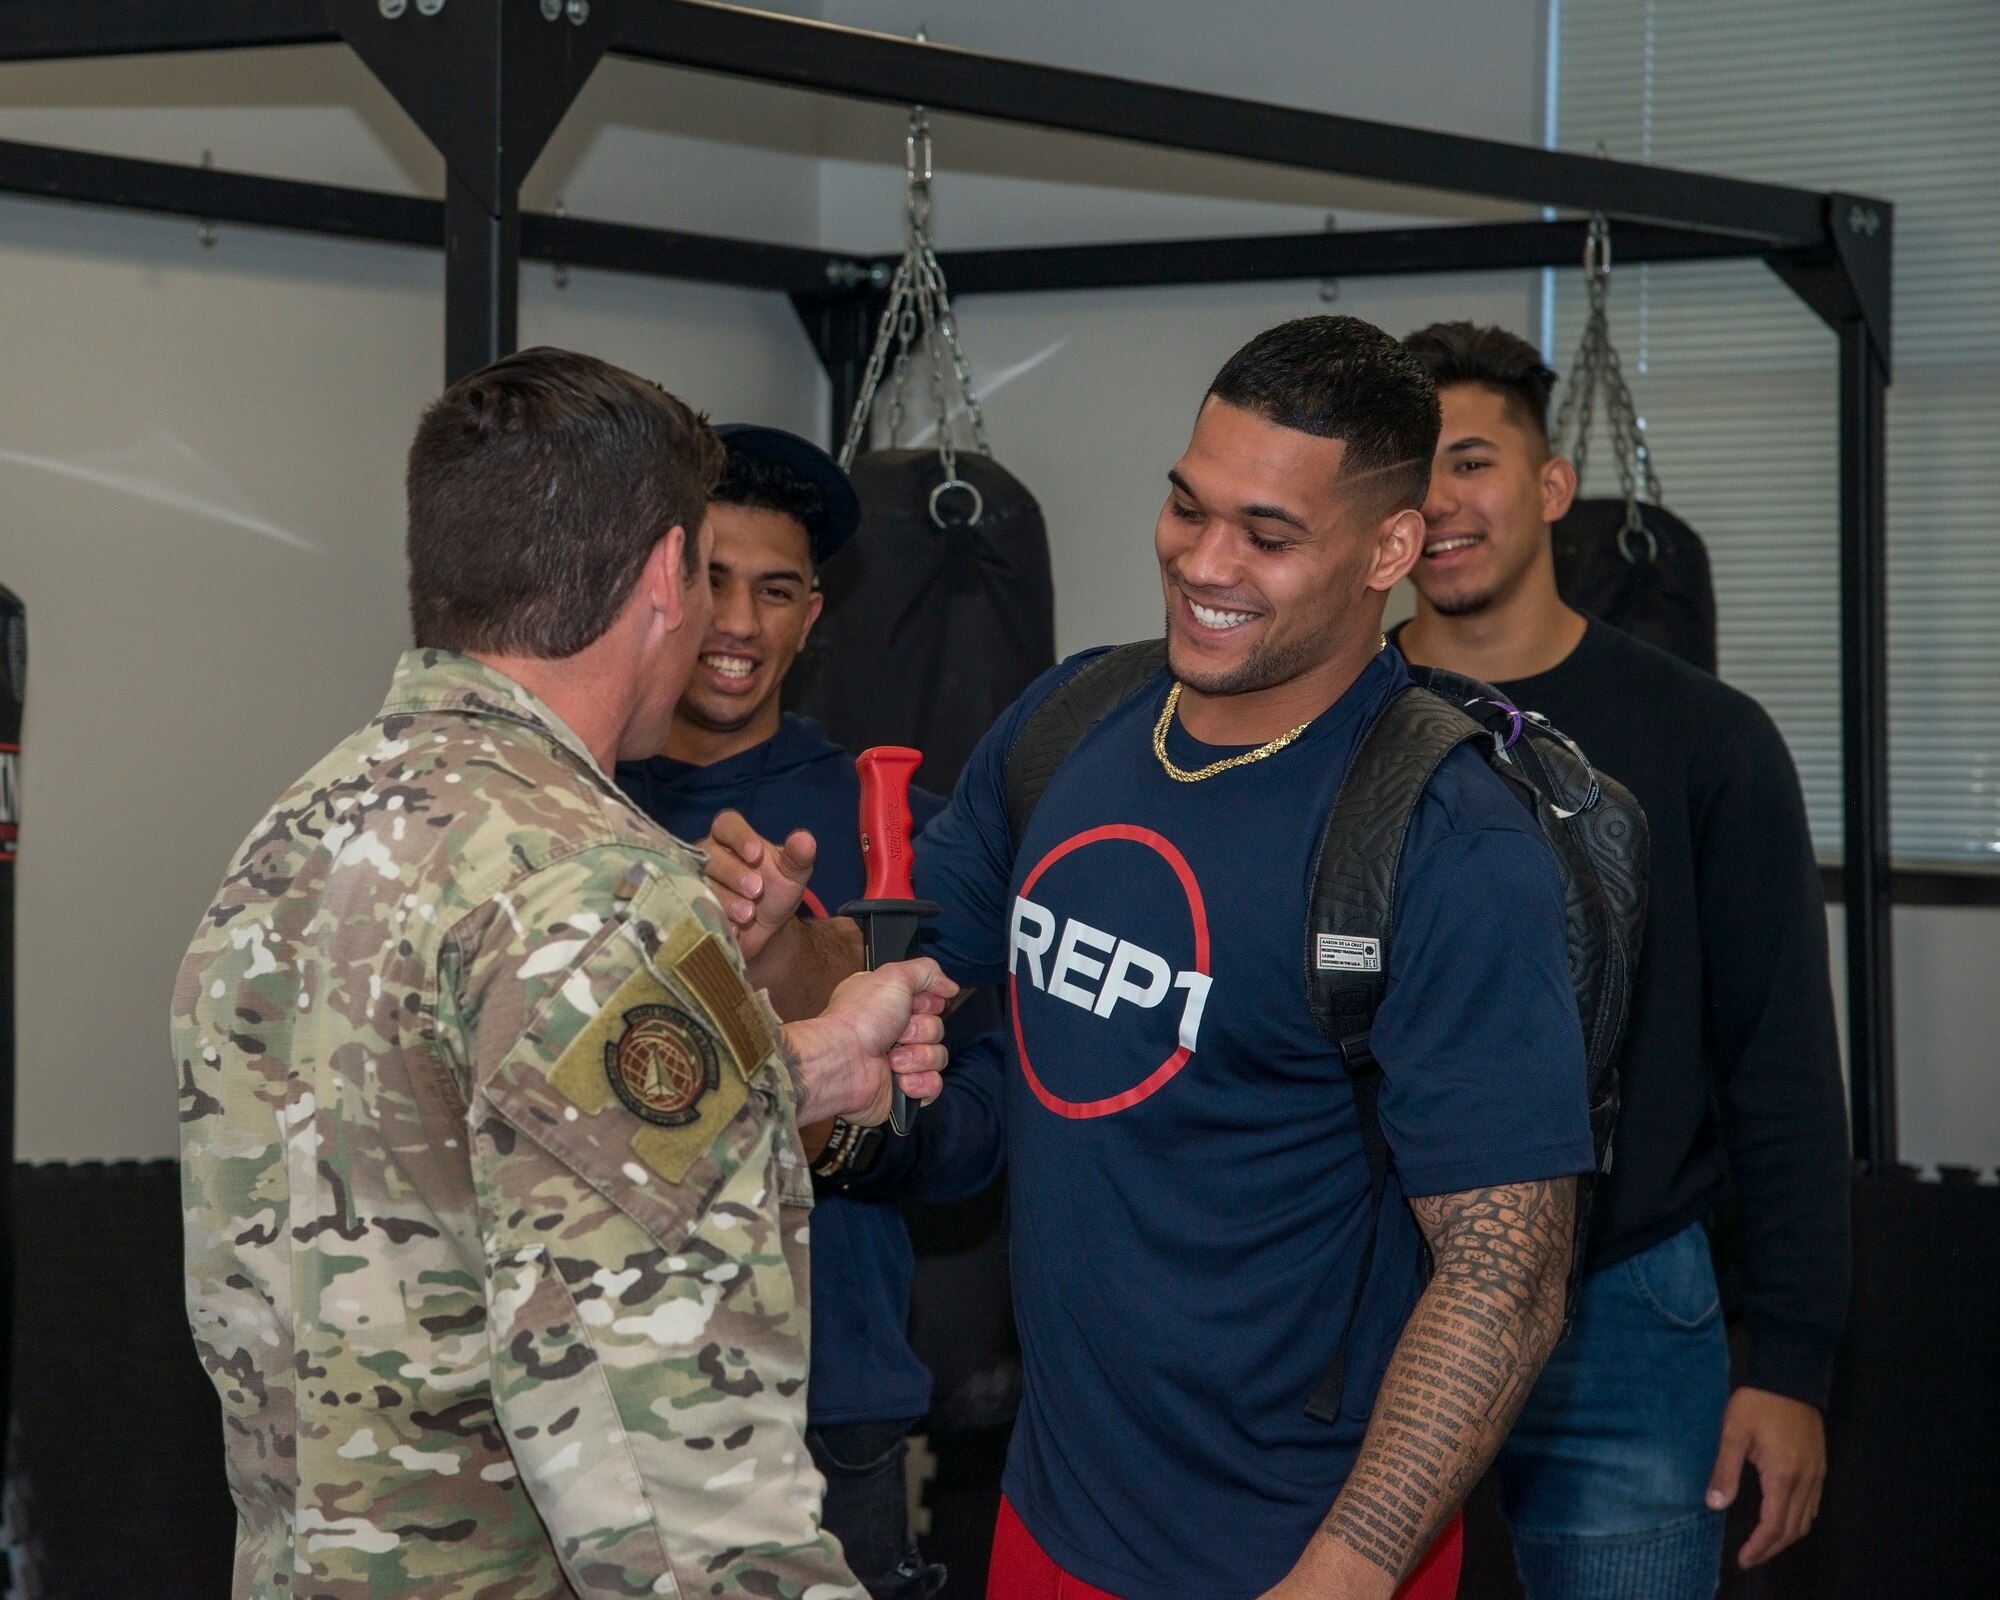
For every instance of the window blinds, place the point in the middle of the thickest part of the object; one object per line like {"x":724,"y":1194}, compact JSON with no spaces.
{"x":1735,"y":378}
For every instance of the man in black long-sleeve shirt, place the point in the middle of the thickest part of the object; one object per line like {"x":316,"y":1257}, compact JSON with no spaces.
{"x":1616,"y":1476}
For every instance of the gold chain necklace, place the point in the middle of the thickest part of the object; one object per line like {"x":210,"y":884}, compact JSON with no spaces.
{"x":1182,"y":775}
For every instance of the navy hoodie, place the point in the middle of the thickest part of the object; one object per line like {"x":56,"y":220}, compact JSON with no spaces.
{"x":863,"y":1369}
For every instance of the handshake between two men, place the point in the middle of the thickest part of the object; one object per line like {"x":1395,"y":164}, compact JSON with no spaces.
{"x":866,"y":1033}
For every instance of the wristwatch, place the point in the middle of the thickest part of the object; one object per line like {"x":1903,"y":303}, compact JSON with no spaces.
{"x":851,"y":1151}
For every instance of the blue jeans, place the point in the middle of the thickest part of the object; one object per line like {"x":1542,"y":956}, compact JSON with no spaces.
{"x":1602,"y":1481}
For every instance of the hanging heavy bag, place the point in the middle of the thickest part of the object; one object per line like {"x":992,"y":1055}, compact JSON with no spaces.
{"x":1663,"y":592}
{"x":931,"y":628}
{"x":939,"y":612}
{"x":1627,"y":562}
{"x":941,"y":609}
{"x":13,"y":703}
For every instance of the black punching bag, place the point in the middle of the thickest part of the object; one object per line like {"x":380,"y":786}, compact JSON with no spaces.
{"x":1653,"y":582}
{"x":935,"y":621}
{"x":13,"y":695}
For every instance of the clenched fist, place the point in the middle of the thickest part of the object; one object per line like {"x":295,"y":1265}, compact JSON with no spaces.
{"x":880,"y":1029}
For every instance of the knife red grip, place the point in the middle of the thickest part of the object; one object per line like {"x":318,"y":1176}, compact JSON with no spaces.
{"x":885,"y":773}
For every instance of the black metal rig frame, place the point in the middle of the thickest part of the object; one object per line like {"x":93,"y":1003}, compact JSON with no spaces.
{"x":488,"y":81}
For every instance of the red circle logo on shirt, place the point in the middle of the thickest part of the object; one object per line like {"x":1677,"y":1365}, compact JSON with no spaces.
{"x":1161,"y":1075}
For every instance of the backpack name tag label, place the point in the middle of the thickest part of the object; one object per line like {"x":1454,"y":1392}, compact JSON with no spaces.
{"x":1342,"y":953}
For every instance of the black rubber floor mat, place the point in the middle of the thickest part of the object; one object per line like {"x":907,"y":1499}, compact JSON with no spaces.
{"x":118,"y":1474}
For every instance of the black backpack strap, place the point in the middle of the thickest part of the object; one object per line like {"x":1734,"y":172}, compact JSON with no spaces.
{"x":1365,"y":1073}
{"x":1058,"y":724}
{"x":1349,"y":923}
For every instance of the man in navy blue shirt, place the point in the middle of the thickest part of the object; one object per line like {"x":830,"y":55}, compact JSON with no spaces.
{"x":1189,"y":1191}
{"x":782,"y":508}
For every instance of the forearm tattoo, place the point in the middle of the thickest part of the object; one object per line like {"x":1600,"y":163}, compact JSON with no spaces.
{"x":1463,"y":1367}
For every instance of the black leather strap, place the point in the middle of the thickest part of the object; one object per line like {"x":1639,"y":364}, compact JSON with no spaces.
{"x":1353,"y":905}
{"x":1365,"y":1074}
{"x":1354,"y":874}
{"x":1058,"y":724}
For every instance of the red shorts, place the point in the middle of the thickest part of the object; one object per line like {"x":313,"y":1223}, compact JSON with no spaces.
{"x":1023,"y":1570}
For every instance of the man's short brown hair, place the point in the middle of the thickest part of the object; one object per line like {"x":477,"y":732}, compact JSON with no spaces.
{"x":537,"y":488}
{"x":1342,"y":378}
{"x":1463,"y":352}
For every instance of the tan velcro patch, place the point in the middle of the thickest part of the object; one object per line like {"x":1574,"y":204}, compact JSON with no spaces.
{"x":713,"y":979}
{"x":645,"y":1058}
{"x":579,"y":1072}
{"x":671,"y":1151}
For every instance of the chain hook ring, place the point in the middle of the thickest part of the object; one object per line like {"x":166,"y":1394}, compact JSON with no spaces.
{"x":1633,"y":525}
{"x":1598,"y":374}
{"x":938,"y":494}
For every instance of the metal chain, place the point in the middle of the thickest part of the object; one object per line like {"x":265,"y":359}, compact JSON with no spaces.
{"x":927,"y":314}
{"x":1596,"y":368}
{"x":871,"y":380}
{"x":906,"y":333}
{"x":918,"y":316}
{"x":947,"y":325}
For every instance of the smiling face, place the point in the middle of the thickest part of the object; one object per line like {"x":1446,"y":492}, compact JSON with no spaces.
{"x":669,"y":609}
{"x":1272,"y":565}
{"x":1495,"y":488}
{"x":760,"y":579}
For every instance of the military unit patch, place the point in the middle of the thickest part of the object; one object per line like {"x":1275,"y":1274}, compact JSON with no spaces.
{"x":661,"y":1065}
{"x":656,"y":1055}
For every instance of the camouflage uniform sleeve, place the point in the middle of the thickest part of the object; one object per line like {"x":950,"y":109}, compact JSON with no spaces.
{"x":643,"y":1203}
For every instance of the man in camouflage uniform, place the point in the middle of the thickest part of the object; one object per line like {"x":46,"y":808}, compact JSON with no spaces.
{"x":496,"y":1212}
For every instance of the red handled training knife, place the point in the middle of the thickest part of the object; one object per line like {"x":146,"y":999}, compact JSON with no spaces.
{"x":890,"y":911}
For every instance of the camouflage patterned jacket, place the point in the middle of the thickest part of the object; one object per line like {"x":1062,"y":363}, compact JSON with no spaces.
{"x":495,"y":1206}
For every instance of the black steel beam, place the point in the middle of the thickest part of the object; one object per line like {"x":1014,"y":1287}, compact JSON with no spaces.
{"x":488,"y":81}
{"x":482,"y":279}
{"x":1849,"y":276}
{"x":850,"y":61}
{"x":84,"y":177}
{"x":1864,"y":738}
{"x":45,"y":173}
{"x":1923,"y":886}
{"x":1375,"y":252}
{"x":1847,"y":281}
{"x":664,"y":253}
{"x":214,"y":195}
{"x":875,"y":66}
{"x":54,"y":30}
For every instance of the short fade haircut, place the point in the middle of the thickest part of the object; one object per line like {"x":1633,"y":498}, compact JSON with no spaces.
{"x":537,"y":488}
{"x":1463,"y":352}
{"x":1342,"y":378}
{"x":760,"y":484}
